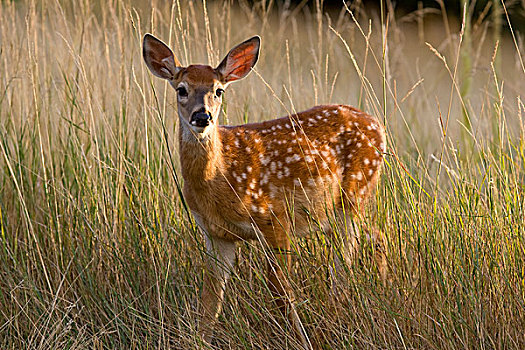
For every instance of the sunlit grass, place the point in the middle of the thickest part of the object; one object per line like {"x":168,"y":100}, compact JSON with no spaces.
{"x":97,"y":249}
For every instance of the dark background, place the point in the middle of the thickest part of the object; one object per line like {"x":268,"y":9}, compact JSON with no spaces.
{"x":454,"y":8}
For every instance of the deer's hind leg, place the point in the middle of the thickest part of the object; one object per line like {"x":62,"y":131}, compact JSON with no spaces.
{"x":347,"y":239}
{"x":279,"y":261}
{"x":377,"y":240}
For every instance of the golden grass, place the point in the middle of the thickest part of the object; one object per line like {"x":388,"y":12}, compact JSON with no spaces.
{"x":97,"y":250}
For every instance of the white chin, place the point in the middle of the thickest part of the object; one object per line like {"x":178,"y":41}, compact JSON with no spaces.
{"x":198,"y":129}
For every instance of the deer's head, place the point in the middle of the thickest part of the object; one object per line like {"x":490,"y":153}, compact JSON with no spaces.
{"x":200,"y":87}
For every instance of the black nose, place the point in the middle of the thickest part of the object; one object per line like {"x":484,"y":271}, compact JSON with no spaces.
{"x":200,"y":119}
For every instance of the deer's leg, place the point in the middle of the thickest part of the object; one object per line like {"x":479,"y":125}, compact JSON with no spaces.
{"x":281,"y":290}
{"x":346,"y":243}
{"x":377,"y":240}
{"x":219,"y":264}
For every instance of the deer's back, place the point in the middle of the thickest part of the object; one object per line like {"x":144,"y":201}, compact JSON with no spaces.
{"x":283,"y":170}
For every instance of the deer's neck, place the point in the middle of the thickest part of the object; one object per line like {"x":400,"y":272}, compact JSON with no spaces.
{"x":201,"y":158}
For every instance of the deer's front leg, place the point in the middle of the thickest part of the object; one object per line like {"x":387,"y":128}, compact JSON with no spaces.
{"x":219,"y":264}
{"x":281,"y":290}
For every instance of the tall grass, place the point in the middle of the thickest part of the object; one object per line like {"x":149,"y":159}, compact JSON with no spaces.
{"x":98,"y":251}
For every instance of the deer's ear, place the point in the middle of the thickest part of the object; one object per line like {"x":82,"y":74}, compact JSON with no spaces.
{"x":240,"y":60}
{"x":159,"y":58}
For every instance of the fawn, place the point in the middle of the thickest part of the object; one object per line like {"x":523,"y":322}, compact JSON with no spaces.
{"x":240,"y":180}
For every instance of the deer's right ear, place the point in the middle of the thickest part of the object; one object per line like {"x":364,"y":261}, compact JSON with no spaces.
{"x":159,"y":58}
{"x":240,"y":60}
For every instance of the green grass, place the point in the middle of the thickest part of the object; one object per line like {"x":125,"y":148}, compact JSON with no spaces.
{"x":97,"y":250}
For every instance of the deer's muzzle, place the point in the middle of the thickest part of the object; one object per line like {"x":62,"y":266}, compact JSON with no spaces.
{"x":200,"y":119}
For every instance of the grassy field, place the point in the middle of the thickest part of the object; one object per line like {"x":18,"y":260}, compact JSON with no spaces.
{"x":98,"y":252}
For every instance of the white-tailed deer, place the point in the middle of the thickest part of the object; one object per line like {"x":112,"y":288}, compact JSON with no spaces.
{"x":239,"y":181}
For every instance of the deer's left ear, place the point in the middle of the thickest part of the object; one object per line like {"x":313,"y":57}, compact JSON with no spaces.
{"x":159,"y":58}
{"x":240,"y":60}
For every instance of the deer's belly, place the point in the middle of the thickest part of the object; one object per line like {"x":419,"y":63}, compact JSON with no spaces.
{"x":298,"y":212}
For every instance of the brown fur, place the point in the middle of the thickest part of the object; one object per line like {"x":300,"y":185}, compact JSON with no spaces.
{"x":240,"y":182}
{"x":241,"y":174}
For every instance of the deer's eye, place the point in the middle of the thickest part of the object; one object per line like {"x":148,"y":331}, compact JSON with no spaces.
{"x":182,"y":92}
{"x":219,"y":92}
